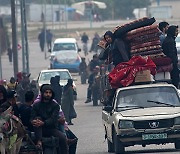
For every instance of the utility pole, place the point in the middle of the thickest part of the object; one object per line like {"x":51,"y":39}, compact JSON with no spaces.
{"x":22,"y":35}
{"x":1,"y":29}
{"x":52,"y":12}
{"x":26,"y":37}
{"x":25,"y":47}
{"x":14,"y":38}
{"x":59,"y":14}
{"x":45,"y":27}
{"x":66,"y":16}
{"x":0,"y":59}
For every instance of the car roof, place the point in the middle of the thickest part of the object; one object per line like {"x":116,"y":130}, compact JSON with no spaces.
{"x":65,"y":40}
{"x":55,"y":70}
{"x":146,"y":86}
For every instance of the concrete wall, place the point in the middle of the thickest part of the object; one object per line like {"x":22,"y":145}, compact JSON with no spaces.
{"x":175,"y":6}
{"x":35,"y":12}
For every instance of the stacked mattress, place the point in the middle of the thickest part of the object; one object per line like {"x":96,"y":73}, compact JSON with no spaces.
{"x":144,"y":42}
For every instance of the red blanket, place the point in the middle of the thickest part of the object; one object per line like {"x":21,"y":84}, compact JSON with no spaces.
{"x":124,"y":73}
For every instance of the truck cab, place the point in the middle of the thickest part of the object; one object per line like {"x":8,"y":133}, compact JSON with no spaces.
{"x":142,"y":115}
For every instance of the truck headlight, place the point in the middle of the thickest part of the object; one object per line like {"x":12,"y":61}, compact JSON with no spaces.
{"x":125,"y":124}
{"x":177,"y":121}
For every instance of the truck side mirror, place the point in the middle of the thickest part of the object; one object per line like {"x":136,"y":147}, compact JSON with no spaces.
{"x":79,"y":49}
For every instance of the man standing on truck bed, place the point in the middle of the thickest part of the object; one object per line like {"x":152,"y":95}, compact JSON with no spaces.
{"x":163,"y":26}
{"x":170,"y":50}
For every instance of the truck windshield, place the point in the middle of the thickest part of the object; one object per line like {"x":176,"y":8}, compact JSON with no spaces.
{"x":145,"y":97}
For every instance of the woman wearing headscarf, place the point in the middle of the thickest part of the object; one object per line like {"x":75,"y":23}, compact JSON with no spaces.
{"x":57,"y":88}
{"x":170,"y":50}
{"x":117,"y":49}
{"x":68,"y":102}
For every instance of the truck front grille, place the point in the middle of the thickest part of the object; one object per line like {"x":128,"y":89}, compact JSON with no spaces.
{"x":153,"y":124}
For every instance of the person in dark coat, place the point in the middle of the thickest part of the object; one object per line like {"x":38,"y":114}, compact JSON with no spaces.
{"x":10,"y":54}
{"x":170,"y":50}
{"x":41,"y":38}
{"x":49,"y":37}
{"x":117,"y":49}
{"x":25,"y":110}
{"x":3,"y":94}
{"x":57,"y":88}
{"x":35,"y":88}
{"x":94,"y":62}
{"x":68,"y":102}
{"x":95,"y":41}
{"x":91,"y":80}
{"x":82,"y":66}
{"x":23,"y":86}
{"x":84,"y":38}
{"x":44,"y":118}
{"x":11,"y":101}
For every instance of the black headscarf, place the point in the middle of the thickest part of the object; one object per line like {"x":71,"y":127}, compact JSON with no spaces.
{"x":171,"y":31}
{"x":109,"y":33}
{"x":69,"y":83}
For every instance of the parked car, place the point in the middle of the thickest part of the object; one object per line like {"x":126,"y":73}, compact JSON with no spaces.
{"x":178,"y":49}
{"x":65,"y":54}
{"x":142,"y":114}
{"x":45,"y":76}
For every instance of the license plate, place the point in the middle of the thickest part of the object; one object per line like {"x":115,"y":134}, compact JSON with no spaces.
{"x":154,"y":136}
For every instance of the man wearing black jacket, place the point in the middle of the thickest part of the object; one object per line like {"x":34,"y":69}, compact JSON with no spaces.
{"x":170,"y":50}
{"x":44,"y":118}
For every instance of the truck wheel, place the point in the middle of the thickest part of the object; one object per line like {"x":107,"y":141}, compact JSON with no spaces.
{"x":177,"y":144}
{"x":110,"y":146}
{"x":118,"y":147}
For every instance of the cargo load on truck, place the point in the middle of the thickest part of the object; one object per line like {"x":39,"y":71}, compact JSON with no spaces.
{"x":147,"y":61}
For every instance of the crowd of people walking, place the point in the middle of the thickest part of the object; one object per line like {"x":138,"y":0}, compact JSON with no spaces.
{"x":41,"y":110}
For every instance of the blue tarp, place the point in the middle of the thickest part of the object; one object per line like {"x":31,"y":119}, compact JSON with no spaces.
{"x":70,"y":9}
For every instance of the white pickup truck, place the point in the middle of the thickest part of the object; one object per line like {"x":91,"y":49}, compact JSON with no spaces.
{"x":142,"y":114}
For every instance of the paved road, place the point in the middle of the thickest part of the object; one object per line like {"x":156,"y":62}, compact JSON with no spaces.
{"x":88,"y":125}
